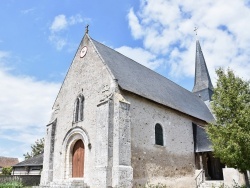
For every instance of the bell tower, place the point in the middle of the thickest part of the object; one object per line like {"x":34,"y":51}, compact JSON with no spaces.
{"x":203,"y":86}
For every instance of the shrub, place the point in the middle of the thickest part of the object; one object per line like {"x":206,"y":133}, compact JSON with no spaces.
{"x":13,"y":184}
{"x":6,"y":170}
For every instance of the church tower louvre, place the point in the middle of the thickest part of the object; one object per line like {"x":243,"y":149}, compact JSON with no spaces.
{"x":203,"y":86}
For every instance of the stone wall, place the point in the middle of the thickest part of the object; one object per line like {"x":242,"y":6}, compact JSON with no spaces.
{"x":233,"y":177}
{"x":89,"y":77}
{"x":122,"y":172}
{"x":173,"y":163}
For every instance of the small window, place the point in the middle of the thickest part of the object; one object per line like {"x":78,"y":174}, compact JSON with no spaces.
{"x":35,"y":168}
{"x":77,"y":110}
{"x":79,"y":107}
{"x":158,"y":135}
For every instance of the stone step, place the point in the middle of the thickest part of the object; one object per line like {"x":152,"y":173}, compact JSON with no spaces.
{"x":212,"y":184}
{"x":62,"y":186}
{"x":65,"y":184}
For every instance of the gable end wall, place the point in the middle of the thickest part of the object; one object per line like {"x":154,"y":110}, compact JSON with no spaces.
{"x":89,"y":77}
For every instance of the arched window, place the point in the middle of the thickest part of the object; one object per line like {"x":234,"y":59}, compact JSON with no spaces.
{"x":158,"y":135}
{"x":79,"y":107}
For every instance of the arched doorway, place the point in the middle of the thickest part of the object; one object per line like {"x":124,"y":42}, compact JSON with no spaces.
{"x":78,"y":159}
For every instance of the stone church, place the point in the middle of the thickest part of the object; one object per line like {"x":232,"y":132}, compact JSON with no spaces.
{"x":116,"y":123}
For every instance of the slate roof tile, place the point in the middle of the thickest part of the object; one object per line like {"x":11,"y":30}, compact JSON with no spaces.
{"x":142,"y":81}
{"x":34,"y":161}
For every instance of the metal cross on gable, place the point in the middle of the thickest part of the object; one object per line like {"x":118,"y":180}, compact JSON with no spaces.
{"x":195,"y":30}
{"x":87,"y":28}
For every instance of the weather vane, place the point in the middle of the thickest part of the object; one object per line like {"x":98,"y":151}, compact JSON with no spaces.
{"x":87,"y":29}
{"x":195,"y":30}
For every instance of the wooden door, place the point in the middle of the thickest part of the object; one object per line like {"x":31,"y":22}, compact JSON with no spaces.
{"x":78,"y":159}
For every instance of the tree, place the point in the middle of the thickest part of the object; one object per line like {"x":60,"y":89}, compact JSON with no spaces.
{"x":7,"y":170}
{"x":36,"y":149}
{"x":230,"y":133}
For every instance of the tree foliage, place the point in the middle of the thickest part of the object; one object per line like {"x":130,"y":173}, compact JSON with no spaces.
{"x":230,"y":133}
{"x":7,"y":170}
{"x":36,"y":149}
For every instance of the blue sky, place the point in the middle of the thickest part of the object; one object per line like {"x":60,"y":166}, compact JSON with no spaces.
{"x":38,"y":40}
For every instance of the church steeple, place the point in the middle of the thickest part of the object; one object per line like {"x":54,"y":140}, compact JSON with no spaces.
{"x":202,"y":85}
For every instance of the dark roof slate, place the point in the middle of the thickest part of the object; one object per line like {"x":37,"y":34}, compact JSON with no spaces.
{"x":202,"y":78}
{"x":34,"y":161}
{"x":142,"y":81}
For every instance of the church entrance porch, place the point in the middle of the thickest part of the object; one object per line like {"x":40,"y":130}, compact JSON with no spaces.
{"x":214,"y":167}
{"x":78,"y":160}
{"x":209,"y":171}
{"x":211,"y":166}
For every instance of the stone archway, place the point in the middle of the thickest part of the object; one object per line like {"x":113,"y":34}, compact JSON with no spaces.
{"x":69,"y":142}
{"x":78,"y":159}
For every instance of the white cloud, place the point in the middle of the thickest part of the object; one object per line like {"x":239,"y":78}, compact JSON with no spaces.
{"x":59,"y":24}
{"x":24,"y":94}
{"x":166,"y":29}
{"x":27,"y":11}
{"x":59,"y":42}
{"x":134,"y":24}
{"x":25,"y":107}
{"x":75,"y":19}
{"x":4,"y":54}
{"x":140,"y":55}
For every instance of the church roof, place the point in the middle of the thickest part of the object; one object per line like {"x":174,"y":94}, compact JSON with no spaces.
{"x":33,"y":161}
{"x":138,"y":79}
{"x":202,"y":78}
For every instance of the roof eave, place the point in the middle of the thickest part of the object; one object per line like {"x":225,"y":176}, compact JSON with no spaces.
{"x":28,"y":165}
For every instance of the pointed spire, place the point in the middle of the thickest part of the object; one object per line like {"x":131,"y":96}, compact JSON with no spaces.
{"x":203,"y":86}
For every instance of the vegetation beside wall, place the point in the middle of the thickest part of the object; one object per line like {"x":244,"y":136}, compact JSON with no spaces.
{"x":25,"y":180}
{"x":12,"y":184}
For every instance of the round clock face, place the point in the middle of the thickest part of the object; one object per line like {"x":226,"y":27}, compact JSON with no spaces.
{"x":83,"y":51}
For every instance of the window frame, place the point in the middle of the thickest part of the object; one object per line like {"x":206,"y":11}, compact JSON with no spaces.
{"x":79,"y":109}
{"x":159,"y":135}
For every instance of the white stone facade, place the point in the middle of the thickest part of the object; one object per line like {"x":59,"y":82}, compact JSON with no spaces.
{"x":118,"y":133}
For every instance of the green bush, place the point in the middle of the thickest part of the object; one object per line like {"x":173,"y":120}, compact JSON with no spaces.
{"x":13,"y":184}
{"x":6,"y":170}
